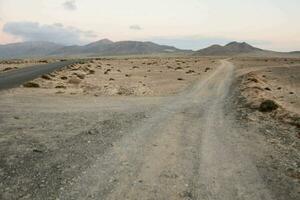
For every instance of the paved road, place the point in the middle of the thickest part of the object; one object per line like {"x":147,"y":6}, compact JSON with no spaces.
{"x":17,"y":77}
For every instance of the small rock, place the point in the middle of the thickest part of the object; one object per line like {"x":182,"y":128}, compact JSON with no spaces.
{"x":61,"y":87}
{"x":267,"y":88}
{"x":37,"y":151}
{"x":207,"y":69}
{"x":74,"y":80}
{"x":80,"y":75}
{"x":63,"y":78}
{"x":91,"y":71}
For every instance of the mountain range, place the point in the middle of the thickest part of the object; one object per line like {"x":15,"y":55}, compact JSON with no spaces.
{"x":107,"y":47}
{"x":103,"y":47}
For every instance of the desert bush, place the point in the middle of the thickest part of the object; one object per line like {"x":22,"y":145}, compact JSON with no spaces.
{"x":31,"y":84}
{"x":46,"y":77}
{"x":268,"y":106}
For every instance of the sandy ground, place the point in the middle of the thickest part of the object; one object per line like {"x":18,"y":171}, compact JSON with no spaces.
{"x":125,"y":77}
{"x":197,"y":138}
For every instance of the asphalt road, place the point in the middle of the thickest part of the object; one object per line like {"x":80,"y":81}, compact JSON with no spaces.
{"x":17,"y":77}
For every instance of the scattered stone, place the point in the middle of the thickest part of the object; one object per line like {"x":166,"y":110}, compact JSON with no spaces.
{"x":60,"y":87}
{"x":207,"y":69}
{"x":253,"y":79}
{"x":74,"y":80}
{"x":91,"y":71}
{"x":80,"y":75}
{"x":106,"y":72}
{"x":267,"y":88}
{"x":37,"y":151}
{"x":64,"y":78}
{"x":190,"y":72}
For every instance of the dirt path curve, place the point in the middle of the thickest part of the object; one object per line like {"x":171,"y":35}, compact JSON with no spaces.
{"x":186,"y":150}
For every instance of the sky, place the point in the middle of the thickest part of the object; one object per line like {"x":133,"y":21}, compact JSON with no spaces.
{"x":187,"y":24}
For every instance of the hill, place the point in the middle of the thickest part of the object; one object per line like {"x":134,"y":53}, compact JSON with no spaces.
{"x":27,"y":49}
{"x":108,"y":48}
{"x":232,"y":48}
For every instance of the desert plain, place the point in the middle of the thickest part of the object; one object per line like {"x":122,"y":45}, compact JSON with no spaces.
{"x":149,"y":127}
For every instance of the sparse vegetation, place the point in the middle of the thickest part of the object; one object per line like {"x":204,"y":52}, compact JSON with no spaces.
{"x":31,"y":84}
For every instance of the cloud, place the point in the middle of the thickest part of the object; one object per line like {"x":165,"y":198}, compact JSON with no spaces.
{"x":58,"y":33}
{"x":135,"y":27}
{"x":70,"y":5}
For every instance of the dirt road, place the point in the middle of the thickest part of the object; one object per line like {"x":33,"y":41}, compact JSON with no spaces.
{"x":186,"y":150}
{"x":186,"y":146}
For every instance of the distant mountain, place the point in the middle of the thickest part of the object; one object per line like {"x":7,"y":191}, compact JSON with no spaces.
{"x":232,"y":48}
{"x":28,"y":49}
{"x":295,"y":52}
{"x":92,"y":48}
{"x":103,"y":47}
{"x":108,"y":48}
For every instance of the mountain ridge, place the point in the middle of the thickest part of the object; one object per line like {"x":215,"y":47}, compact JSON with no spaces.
{"x":232,"y":48}
{"x":106,"y":47}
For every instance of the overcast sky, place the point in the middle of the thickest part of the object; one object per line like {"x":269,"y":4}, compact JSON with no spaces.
{"x":191,"y":24}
